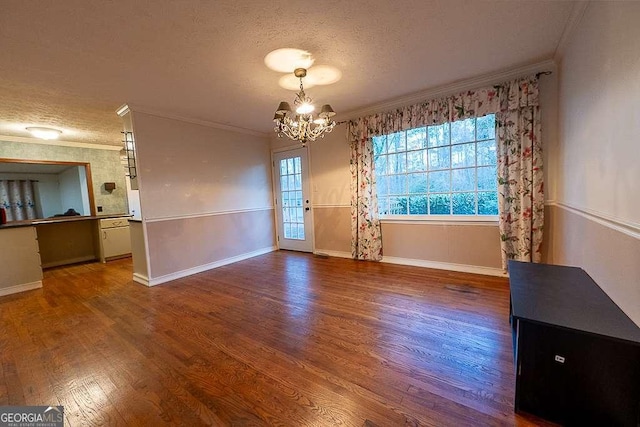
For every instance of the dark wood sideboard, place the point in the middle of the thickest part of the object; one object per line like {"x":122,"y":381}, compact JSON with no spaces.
{"x":577,"y":355}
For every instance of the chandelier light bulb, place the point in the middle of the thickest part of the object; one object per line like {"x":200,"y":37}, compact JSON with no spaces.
{"x":305,"y":108}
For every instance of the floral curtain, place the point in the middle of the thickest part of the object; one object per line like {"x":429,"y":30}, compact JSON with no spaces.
{"x":366,"y":233}
{"x":520,"y":184}
{"x":17,"y":198}
{"x":515,"y":104}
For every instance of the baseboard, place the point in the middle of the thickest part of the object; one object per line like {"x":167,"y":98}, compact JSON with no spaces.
{"x":338,"y":254}
{"x":21,"y":288}
{"x":464,"y":268}
{"x":199,"y":269}
{"x":139,"y":278}
{"x":70,"y":261}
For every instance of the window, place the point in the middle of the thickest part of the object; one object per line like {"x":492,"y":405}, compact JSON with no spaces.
{"x":449,"y":169}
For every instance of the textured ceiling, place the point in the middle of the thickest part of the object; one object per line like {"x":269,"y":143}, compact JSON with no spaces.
{"x":70,"y":64}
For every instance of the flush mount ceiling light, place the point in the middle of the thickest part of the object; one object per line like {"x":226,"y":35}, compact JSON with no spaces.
{"x":44,"y":133}
{"x":303,"y":127}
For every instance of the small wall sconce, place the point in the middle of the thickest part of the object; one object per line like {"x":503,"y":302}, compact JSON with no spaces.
{"x":109,"y":186}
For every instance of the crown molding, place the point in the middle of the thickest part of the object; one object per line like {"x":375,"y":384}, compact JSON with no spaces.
{"x":577,"y":12}
{"x":166,"y":115}
{"x":450,"y":89}
{"x":59,"y":143}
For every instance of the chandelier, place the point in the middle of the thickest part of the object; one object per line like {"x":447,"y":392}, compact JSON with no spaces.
{"x":302,"y":126}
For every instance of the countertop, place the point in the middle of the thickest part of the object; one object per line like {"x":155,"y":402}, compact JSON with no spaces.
{"x":59,"y":219}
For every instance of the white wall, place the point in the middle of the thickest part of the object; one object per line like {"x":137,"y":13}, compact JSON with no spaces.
{"x":600,"y":91}
{"x":597,"y":217}
{"x":205,"y":195}
{"x":70,"y":191}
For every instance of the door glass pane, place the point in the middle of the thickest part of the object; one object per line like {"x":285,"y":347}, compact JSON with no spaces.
{"x":291,"y":187}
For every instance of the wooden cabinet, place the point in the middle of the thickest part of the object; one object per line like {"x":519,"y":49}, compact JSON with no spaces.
{"x":577,"y":355}
{"x":115,"y":239}
{"x":19,"y":260}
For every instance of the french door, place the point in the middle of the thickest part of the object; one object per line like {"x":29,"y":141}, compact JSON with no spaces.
{"x":293,"y":209}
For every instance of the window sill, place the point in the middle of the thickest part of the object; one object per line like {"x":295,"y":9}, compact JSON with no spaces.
{"x":491,"y":220}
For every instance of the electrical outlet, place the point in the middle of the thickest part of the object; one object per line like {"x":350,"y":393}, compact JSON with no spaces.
{"x":99,"y":208}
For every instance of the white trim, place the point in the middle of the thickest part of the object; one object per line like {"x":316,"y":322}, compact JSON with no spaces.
{"x":449,"y":89}
{"x":629,"y":228}
{"x":140,"y":278}
{"x":206,"y":123}
{"x":337,"y":254}
{"x":577,"y":12}
{"x":77,"y":260}
{"x":464,"y":268}
{"x":327,"y":205}
{"x":206,"y":214}
{"x":199,"y":269}
{"x":20,"y":288}
{"x":60,"y":143}
{"x":436,"y":221}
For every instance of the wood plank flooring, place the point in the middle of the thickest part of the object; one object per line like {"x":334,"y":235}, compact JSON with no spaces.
{"x":284,"y":339}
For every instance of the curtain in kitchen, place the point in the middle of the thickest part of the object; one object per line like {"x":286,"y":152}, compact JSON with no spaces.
{"x":17,"y":198}
{"x":520,"y":182}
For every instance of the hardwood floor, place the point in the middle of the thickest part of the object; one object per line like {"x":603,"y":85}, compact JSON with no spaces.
{"x":282,"y":339}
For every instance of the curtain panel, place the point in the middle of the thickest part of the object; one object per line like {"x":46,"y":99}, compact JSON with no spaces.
{"x":520,"y":188}
{"x":366,"y":233}
{"x":17,"y":198}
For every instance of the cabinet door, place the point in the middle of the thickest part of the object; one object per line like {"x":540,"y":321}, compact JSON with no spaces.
{"x":116,"y":241}
{"x":577,"y":379}
{"x":544,"y":359}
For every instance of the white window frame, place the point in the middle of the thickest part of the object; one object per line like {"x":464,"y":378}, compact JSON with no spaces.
{"x":477,"y":219}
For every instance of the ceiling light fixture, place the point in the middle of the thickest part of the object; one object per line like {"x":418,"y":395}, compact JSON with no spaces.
{"x":44,"y":133}
{"x":302,"y":127}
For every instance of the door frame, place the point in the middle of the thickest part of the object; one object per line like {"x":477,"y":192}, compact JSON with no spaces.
{"x":276,"y":205}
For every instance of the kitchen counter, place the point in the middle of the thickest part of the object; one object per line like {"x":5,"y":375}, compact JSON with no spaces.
{"x":26,"y":247}
{"x":58,"y":219}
